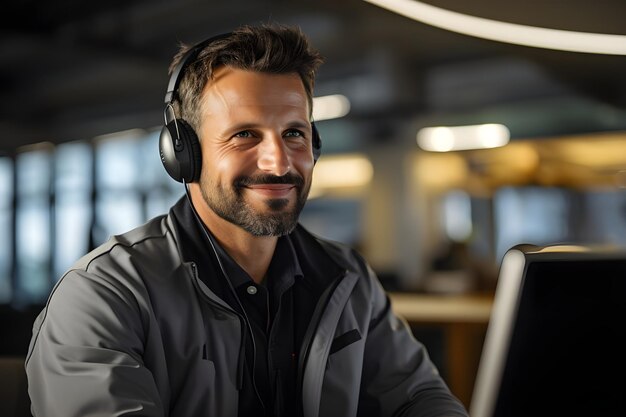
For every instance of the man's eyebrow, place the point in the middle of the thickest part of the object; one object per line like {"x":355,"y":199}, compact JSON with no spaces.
{"x":241,"y":126}
{"x":299,"y":124}
{"x":247,"y":125}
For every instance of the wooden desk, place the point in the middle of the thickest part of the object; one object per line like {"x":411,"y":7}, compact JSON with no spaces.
{"x":463,"y":319}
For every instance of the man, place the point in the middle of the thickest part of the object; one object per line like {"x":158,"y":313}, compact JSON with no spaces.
{"x":226,"y":306}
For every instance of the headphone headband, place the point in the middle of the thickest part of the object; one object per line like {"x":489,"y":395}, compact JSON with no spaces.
{"x":190,"y":55}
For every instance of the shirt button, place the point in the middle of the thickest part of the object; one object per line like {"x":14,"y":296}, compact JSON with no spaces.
{"x":251,"y":290}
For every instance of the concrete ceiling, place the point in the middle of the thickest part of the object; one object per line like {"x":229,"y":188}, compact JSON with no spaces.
{"x":72,"y":69}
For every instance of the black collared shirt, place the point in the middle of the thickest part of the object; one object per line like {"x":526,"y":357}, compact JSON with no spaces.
{"x":269,"y":310}
{"x":278,"y":312}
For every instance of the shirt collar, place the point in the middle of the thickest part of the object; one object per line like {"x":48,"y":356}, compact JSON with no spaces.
{"x":284,"y":265}
{"x":283,"y":268}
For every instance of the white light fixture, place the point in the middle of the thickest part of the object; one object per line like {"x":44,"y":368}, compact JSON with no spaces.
{"x":538,"y":37}
{"x":330,"y":107}
{"x":457,"y":138}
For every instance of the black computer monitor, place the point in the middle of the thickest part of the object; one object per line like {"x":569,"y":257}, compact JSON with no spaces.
{"x":555,"y":344}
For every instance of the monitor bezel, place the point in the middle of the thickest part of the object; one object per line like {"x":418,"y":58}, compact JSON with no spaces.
{"x":512,"y":274}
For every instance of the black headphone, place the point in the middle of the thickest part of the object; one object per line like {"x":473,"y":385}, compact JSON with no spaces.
{"x":179,"y":146}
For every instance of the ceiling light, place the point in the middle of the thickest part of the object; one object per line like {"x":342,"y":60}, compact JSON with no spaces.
{"x":330,"y":107}
{"x":456,"y":138}
{"x":538,"y":37}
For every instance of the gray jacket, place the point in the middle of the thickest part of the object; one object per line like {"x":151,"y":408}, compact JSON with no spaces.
{"x":131,"y":330}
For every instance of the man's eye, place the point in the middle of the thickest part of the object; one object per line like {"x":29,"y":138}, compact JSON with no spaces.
{"x":294,"y":133}
{"x":243,"y":134}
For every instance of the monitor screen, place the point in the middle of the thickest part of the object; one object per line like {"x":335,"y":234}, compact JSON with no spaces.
{"x":555,"y":344}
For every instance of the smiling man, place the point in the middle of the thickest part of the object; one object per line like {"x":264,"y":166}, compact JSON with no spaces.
{"x":258,"y":161}
{"x":227,"y":306}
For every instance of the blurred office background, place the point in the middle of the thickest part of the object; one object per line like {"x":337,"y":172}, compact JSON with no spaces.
{"x":82,"y":87}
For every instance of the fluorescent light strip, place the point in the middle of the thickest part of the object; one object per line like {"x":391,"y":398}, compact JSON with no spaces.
{"x":458,"y":138}
{"x":562,"y":40}
{"x":330,"y":107}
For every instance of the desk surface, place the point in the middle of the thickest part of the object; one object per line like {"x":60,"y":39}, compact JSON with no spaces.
{"x":463,"y":319}
{"x":425,"y":308}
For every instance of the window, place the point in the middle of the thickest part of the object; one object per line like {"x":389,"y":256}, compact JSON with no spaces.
{"x":73,"y":204}
{"x":337,"y":219}
{"x":33,"y":226}
{"x":59,"y":202}
{"x":6,"y":225}
{"x":535,"y":215}
{"x":119,"y":172}
{"x":604,"y":217}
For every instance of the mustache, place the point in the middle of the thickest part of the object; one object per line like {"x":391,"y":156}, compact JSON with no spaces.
{"x":289,"y":178}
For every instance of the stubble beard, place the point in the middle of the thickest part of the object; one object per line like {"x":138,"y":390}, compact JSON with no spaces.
{"x":230,"y":204}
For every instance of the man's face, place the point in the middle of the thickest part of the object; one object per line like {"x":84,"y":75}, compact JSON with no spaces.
{"x":257,"y":158}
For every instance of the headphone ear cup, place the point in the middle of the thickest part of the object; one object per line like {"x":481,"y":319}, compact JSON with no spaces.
{"x":180,"y":151}
{"x":316,"y":142}
{"x":167,"y":151}
{"x":194,"y":153}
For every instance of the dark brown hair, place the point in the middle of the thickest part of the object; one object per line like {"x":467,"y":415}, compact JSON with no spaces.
{"x":274,"y":49}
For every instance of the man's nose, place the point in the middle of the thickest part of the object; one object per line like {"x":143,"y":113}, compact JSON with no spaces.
{"x":273,"y":156}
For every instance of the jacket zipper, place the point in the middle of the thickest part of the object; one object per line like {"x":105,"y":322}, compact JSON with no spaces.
{"x":245,"y":324}
{"x":315,"y":321}
{"x":240,"y":360}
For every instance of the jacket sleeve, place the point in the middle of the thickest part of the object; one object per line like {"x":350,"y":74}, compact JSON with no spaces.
{"x":399,"y":378}
{"x":85,"y":355}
